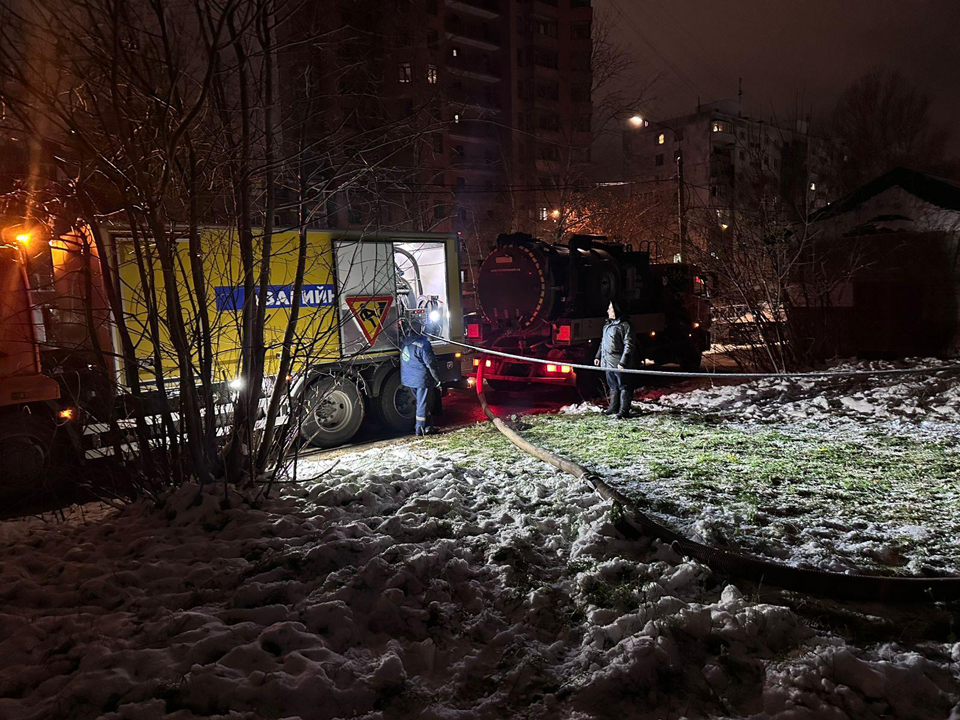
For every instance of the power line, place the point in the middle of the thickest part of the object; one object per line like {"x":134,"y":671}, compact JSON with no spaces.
{"x":712,"y":64}
{"x":416,"y":187}
{"x":683,"y":77}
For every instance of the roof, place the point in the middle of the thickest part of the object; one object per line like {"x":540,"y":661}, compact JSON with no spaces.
{"x":933,"y":189}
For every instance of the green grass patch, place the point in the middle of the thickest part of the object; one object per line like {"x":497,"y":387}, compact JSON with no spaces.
{"x":776,"y":478}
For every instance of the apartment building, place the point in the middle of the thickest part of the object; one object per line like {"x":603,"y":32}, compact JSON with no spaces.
{"x":731,"y":164}
{"x":489,"y":99}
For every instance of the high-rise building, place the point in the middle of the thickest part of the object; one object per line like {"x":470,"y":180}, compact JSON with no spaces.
{"x":466,"y":115}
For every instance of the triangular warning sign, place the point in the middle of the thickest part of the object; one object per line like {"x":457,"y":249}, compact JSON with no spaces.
{"x":370,"y":312}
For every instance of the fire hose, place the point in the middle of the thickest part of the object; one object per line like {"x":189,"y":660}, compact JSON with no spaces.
{"x":824,"y":583}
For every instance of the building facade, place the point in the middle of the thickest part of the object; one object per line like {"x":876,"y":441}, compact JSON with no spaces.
{"x":732,"y":165}
{"x":463,"y":115}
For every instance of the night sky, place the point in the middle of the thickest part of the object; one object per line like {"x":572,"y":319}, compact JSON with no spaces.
{"x":790,"y":52}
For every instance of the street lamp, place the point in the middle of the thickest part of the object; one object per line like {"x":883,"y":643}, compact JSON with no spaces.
{"x":639,"y":121}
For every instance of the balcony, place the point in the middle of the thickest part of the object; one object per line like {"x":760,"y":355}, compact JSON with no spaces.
{"x":485,"y":103}
{"x":476,"y":131}
{"x":472,"y":36}
{"x":487,"y":162}
{"x":473,"y":71}
{"x":487,"y":9}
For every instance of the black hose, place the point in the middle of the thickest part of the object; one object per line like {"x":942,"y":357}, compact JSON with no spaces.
{"x":848,"y":586}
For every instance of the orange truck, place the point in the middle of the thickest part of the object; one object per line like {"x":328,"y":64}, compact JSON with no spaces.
{"x":29,"y":409}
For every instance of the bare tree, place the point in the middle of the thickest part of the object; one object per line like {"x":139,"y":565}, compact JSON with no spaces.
{"x":881,"y":121}
{"x":166,"y":117}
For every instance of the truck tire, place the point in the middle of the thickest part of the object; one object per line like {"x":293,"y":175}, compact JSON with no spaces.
{"x":590,"y":384}
{"x":395,"y":406}
{"x":690,"y":359}
{"x":332,"y":412}
{"x":507,"y":385}
{"x":26,"y":446}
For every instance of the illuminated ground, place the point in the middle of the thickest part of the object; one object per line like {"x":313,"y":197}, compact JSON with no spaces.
{"x":456,"y":578}
{"x":833,"y":498}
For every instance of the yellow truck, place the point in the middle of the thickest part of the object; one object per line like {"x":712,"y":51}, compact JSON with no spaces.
{"x":356,"y":287}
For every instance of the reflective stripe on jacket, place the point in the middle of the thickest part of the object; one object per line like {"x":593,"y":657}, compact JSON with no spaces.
{"x":617,"y":345}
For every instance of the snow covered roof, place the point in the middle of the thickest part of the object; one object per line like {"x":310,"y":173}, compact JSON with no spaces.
{"x":902,"y":200}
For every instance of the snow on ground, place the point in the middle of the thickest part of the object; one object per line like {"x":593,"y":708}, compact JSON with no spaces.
{"x":842,"y":474}
{"x":927,"y":400}
{"x":406,"y":583}
{"x":909,"y":523}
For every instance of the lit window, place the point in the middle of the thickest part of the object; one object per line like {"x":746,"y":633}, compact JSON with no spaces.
{"x":456,"y":118}
{"x":432,"y":74}
{"x":455,"y":52}
{"x":544,"y":213}
{"x":406,"y":73}
{"x":661,"y":139}
{"x":813,"y":186}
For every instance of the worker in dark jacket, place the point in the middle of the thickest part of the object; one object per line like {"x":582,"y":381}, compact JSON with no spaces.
{"x":616,"y":351}
{"x":419,"y":372}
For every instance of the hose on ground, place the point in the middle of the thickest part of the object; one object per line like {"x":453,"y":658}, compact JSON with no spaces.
{"x":823,"y":583}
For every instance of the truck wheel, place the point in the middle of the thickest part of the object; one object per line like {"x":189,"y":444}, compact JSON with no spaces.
{"x":506,"y":385}
{"x":26,"y":443}
{"x":690,"y":360}
{"x":590,"y":384}
{"x":332,"y":412}
{"x":396,"y":406}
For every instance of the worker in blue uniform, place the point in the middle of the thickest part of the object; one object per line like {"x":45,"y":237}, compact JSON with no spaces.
{"x":419,"y":372}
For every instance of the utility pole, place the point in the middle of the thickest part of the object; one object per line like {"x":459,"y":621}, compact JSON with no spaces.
{"x":681,"y":227}
{"x":639,"y":122}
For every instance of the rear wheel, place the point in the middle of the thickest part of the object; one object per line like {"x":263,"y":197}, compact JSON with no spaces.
{"x":590,"y":384}
{"x":26,"y":442}
{"x":690,"y":360}
{"x":507,"y":385}
{"x":332,"y":412}
{"x":396,"y":406}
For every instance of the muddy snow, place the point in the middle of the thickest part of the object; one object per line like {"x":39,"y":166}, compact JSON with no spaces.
{"x":406,"y":583}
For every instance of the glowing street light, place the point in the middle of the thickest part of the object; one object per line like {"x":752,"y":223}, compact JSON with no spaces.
{"x":636,"y":121}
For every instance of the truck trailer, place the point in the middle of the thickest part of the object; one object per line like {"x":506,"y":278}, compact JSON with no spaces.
{"x":62,"y":345}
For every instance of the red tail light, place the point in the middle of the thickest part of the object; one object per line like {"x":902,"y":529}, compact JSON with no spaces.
{"x":563,"y":333}
{"x":476,"y":362}
{"x":551,"y":368}
{"x":473,"y":331}
{"x":488,"y":363}
{"x":565,"y":368}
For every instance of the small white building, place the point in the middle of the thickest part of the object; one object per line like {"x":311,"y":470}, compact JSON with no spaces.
{"x":881,"y":277}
